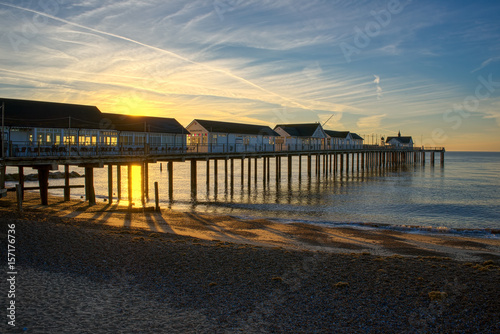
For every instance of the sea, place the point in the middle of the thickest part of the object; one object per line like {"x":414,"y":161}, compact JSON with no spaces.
{"x":462,"y":195}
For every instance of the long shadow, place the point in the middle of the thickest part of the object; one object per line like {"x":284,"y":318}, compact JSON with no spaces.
{"x":209,"y":225}
{"x":157,"y":222}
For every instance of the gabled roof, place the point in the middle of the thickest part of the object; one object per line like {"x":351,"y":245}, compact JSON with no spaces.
{"x":337,"y":134}
{"x":237,"y":128}
{"x":356,"y":136}
{"x":299,"y":130}
{"x":402,"y":139}
{"x":26,"y":113}
{"x":143,"y":123}
{"x":50,"y":114}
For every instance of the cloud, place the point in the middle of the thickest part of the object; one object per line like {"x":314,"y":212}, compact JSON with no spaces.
{"x":379,"y":89}
{"x":370,"y":122}
{"x":486,"y":63}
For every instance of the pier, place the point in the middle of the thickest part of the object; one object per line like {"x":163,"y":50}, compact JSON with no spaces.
{"x":319,"y":162}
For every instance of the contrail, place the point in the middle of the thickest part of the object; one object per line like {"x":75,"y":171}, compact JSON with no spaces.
{"x":159,"y":50}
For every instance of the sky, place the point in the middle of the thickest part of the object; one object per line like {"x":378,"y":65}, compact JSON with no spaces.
{"x":430,"y":69}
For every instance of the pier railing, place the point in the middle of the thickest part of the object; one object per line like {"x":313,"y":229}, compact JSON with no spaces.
{"x":27,"y":149}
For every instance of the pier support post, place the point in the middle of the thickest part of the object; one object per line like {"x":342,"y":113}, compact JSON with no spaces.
{"x":143,"y":184}
{"x":255,"y":170}
{"x":89,"y":184}
{"x":129,"y":172}
{"x":242,"y":172}
{"x":21,"y":182}
{"x":119,"y":182}
{"x":170,"y":170}
{"x":277,"y":169}
{"x":289,"y":168}
{"x":207,"y":175}
{"x":264,"y":170}
{"x":309,"y":165}
{"x":249,"y":173}
{"x":110,"y":184}
{"x":3,"y":169}
{"x":232,"y":175}
{"x":268,"y":169}
{"x":216,"y":176}
{"x":363,"y":160}
{"x":442,"y":158}
{"x":157,"y":198}
{"x":226,"y":171}
{"x":300,"y":167}
{"x":146,"y":179}
{"x":341,"y":163}
{"x":432,"y":158}
{"x":347,"y":162}
{"x":43,"y":182}
{"x":193,"y":179}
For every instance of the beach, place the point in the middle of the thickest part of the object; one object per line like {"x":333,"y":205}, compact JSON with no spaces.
{"x":110,"y":269}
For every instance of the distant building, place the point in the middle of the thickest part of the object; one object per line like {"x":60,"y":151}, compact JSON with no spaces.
{"x":357,"y":139}
{"x":215,"y":136}
{"x":400,"y":141}
{"x":344,"y":140}
{"x":301,"y":136}
{"x":339,"y":139}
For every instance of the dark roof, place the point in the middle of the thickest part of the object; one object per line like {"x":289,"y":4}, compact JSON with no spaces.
{"x":356,"y":136}
{"x":142,"y":123}
{"x":337,"y":134}
{"x":26,"y":113}
{"x":402,"y":139}
{"x":299,"y":130}
{"x":49,"y":114}
{"x":239,"y":128}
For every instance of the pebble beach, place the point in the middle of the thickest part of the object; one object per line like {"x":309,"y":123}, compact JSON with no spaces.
{"x":110,"y":269}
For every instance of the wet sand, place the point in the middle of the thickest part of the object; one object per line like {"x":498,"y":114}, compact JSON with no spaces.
{"x":107,"y":269}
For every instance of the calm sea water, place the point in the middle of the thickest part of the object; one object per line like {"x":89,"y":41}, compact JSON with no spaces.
{"x":463,"y":193}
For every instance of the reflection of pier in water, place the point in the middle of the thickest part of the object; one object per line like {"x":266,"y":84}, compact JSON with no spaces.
{"x":256,"y":169}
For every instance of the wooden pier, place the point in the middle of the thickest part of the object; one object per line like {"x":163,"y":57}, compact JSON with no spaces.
{"x":326,"y":162}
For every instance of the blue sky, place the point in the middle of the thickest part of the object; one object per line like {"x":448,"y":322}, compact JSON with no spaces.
{"x":430,"y":69}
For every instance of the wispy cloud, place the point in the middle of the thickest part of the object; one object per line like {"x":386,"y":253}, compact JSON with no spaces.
{"x":486,"y":63}
{"x":379,"y":89}
{"x":370,"y":122}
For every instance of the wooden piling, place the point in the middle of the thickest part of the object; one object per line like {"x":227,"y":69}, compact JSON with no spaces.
{"x":249,"y":174}
{"x":21,"y":179}
{"x":157,"y":198}
{"x":89,"y":184}
{"x":232,"y":175}
{"x":207,"y":175}
{"x":143,"y":184}
{"x":119,"y":182}
{"x":309,"y":165}
{"x":110,"y":184}
{"x":255,"y":171}
{"x":129,"y":170}
{"x":216,"y":176}
{"x":300,"y":166}
{"x":242,"y":172}
{"x":146,"y":179}
{"x":226,"y":171}
{"x":193,"y":179}
{"x":289,"y":169}
{"x":170,"y":170}
{"x":19,"y":197}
